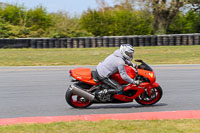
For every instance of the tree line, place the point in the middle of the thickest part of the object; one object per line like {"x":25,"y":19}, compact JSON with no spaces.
{"x":126,"y":17}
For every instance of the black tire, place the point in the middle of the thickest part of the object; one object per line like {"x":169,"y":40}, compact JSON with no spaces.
{"x":68,"y":98}
{"x":159,"y":94}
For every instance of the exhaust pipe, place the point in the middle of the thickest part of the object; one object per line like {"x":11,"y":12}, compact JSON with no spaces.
{"x":82,"y":93}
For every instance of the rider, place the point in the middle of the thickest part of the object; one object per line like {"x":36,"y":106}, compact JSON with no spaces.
{"x":116,"y":62}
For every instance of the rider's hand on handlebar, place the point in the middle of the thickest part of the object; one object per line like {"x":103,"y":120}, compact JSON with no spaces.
{"x":133,"y":65}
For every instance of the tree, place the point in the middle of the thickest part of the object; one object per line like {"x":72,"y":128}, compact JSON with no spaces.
{"x":114,"y":22}
{"x":21,"y":22}
{"x":101,"y":4}
{"x":14,"y":14}
{"x":163,"y":14}
{"x":3,"y":29}
{"x":164,"y":11}
{"x":194,"y":5}
{"x":185,"y":23}
{"x":38,"y":18}
{"x":125,"y":4}
{"x":131,"y":23}
{"x":66,"y":26}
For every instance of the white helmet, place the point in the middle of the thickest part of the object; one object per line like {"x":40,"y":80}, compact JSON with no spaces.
{"x":127,"y":51}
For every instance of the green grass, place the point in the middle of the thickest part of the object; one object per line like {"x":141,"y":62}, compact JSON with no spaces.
{"x":92,"y":56}
{"x":108,"y":126}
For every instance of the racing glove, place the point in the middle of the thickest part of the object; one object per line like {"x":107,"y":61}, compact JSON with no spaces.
{"x":133,"y":65}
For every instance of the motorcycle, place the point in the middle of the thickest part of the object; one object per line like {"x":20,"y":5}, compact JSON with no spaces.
{"x":87,"y":90}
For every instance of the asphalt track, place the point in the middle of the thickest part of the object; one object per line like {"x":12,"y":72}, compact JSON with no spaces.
{"x":39,"y":91}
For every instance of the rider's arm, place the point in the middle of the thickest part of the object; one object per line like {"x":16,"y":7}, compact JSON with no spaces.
{"x":124,"y":75}
{"x":130,"y":63}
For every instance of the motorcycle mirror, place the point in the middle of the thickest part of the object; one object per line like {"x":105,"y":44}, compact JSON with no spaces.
{"x":138,"y":61}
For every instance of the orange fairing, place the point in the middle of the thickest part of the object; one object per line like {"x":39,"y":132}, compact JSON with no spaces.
{"x":83,"y":74}
{"x":116,"y":76}
{"x":148,"y":74}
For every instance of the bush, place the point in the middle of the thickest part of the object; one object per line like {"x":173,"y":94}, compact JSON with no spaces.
{"x":14,"y":14}
{"x":38,"y":18}
{"x":116,"y":22}
{"x":185,"y":23}
{"x":66,"y":26}
{"x":3,"y":29}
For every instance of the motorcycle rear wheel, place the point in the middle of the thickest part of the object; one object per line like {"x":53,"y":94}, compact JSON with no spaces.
{"x":156,"y":95}
{"x":75,"y":100}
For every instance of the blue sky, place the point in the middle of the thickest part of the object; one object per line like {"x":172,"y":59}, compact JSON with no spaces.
{"x":71,"y":6}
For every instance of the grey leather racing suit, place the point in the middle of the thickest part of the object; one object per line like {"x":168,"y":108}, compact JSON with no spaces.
{"x":112,"y":64}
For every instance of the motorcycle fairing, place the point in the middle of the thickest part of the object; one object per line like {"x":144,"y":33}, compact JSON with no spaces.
{"x":140,"y":89}
{"x":83,"y":74}
{"x":116,"y":76}
{"x":127,"y":98}
{"x":148,"y":74}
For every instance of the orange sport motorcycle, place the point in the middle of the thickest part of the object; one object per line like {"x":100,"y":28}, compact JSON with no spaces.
{"x":87,"y":90}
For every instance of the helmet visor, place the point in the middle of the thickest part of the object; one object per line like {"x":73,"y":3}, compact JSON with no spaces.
{"x":129,"y":54}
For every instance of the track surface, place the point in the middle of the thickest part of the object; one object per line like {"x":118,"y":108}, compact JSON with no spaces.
{"x":39,"y":91}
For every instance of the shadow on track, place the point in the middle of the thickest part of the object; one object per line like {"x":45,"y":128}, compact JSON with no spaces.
{"x":121,"y":106}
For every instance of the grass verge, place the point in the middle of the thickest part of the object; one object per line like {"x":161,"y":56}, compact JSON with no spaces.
{"x":92,"y":56}
{"x":108,"y":126}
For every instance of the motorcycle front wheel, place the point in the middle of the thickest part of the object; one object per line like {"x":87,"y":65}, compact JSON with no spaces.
{"x":145,"y":99}
{"x":76,"y":101}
